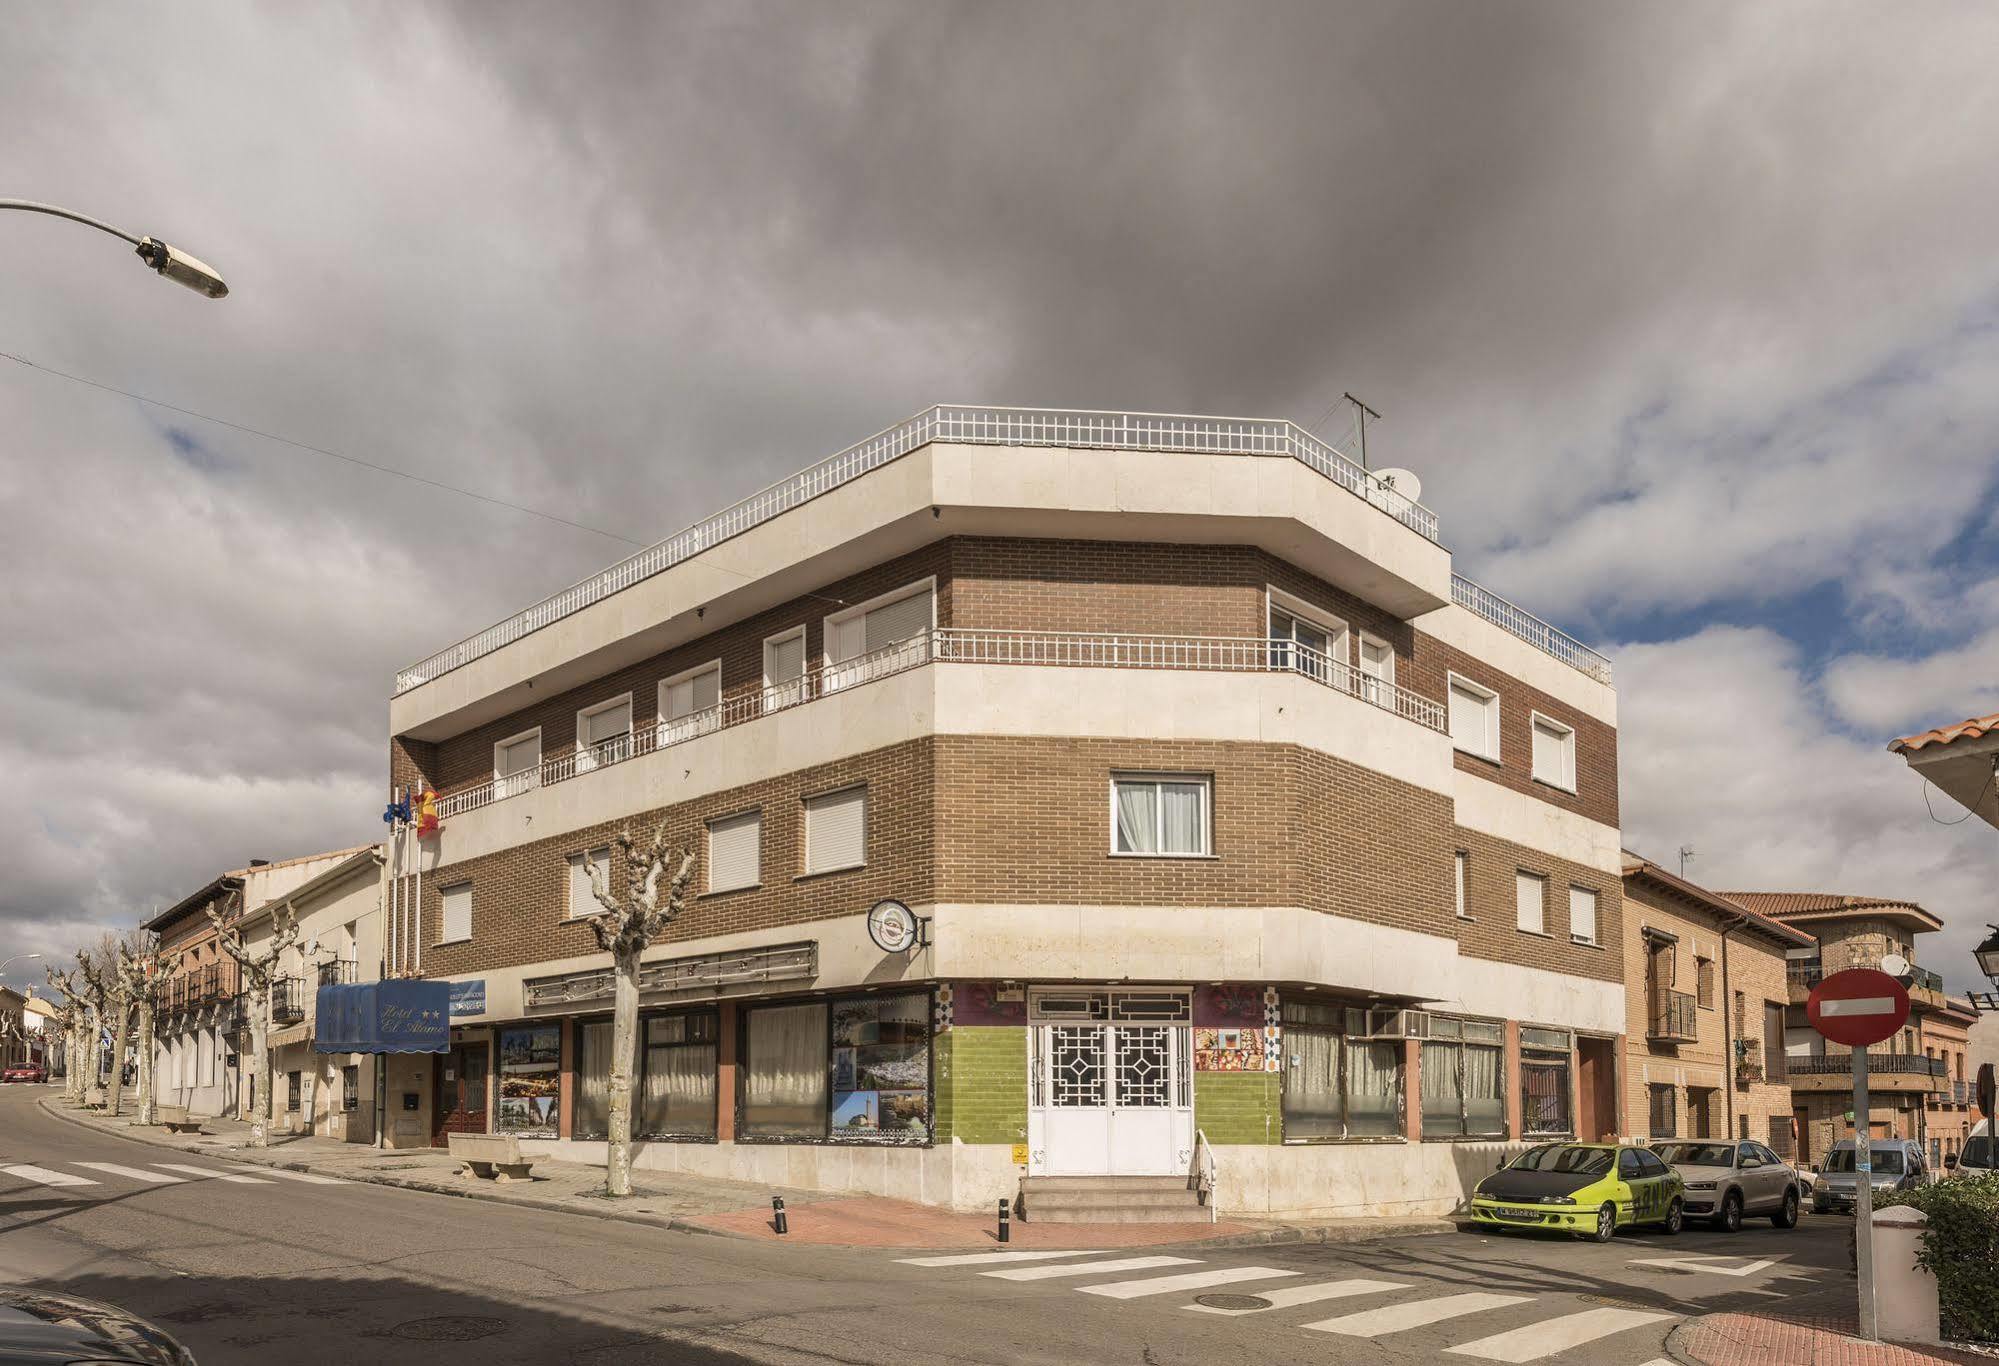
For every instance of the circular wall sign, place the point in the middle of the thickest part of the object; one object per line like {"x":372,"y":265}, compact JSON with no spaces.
{"x":891,"y":926}
{"x":1858,"y":1007}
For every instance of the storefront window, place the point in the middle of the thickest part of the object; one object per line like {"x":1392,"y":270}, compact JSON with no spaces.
{"x":530,"y":1080}
{"x":1544,"y":1081}
{"x":592,"y":1118}
{"x":1335,"y":1086}
{"x":1460,"y":1079}
{"x":784,"y":1072}
{"x":881,"y":1069}
{"x":677,"y":1094}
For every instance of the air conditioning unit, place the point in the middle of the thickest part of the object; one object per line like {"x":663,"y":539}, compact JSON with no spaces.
{"x":1393,"y":1024}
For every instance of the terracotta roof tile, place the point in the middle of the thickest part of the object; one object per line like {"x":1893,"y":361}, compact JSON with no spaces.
{"x":1972,"y":729}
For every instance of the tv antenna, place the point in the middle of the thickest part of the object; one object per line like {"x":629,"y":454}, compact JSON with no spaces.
{"x":1686,"y":852}
{"x":1361,"y":414}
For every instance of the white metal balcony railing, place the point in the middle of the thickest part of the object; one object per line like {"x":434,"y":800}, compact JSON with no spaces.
{"x":971,"y":425}
{"x":1056,"y":648}
{"x":1529,"y":628}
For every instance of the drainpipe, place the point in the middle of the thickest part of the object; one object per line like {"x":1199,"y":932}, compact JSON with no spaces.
{"x":1728,"y":1060}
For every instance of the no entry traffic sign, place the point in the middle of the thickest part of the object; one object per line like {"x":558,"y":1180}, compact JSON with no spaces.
{"x":1858,"y":1007}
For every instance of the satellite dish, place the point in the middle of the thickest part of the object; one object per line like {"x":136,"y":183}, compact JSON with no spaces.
{"x":312,"y":946}
{"x":1403,"y":482}
{"x":1895,"y":965}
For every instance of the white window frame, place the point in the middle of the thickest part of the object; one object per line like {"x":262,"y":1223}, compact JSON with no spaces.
{"x":1462,"y":873}
{"x":1595,"y":915}
{"x":443,"y":923}
{"x":1380,"y":691}
{"x":1339,"y":635}
{"x":569,"y":866}
{"x":1205,"y":781}
{"x":1454,"y":679}
{"x":785,"y":694}
{"x":831,"y":623}
{"x":585,"y":758}
{"x":1541,"y":881}
{"x":1537,"y":720}
{"x":528,"y":778}
{"x":805,"y":831}
{"x":694,"y":723}
{"x":708,"y":834}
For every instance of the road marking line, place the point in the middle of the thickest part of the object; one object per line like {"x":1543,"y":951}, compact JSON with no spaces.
{"x":984,"y":1258}
{"x":1689,"y":1263}
{"x":1042,"y":1273}
{"x":213,"y":1174}
{"x":1287,"y":1296}
{"x":44,"y":1177}
{"x":1550,"y":1336}
{"x":134,"y":1173}
{"x":1186,"y":1280}
{"x":1396,"y":1317}
{"x":310,"y":1178}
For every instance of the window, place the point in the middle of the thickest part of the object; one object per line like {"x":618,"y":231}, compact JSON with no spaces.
{"x":855,"y":1070}
{"x":677,"y":1081}
{"x":517,"y":763}
{"x":735,"y":852}
{"x":1544,"y":1081}
{"x":457,"y":913}
{"x":1704,"y":983}
{"x":582,"y":901}
{"x":604,"y":733}
{"x":690,"y":703}
{"x":1334,"y":1086}
{"x":1463,"y":862}
{"x":293,"y":1085}
{"x":350,"y":1088}
{"x":592,"y":1117}
{"x":1377,"y":671}
{"x":1459,"y":1077}
{"x":1582,"y":915}
{"x":1474,"y":714}
{"x":1554,"y":753}
{"x":836,"y":830}
{"x":784,"y":668}
{"x":853,"y":637}
{"x":1663,"y":1112}
{"x":784,"y":1072}
{"x":530,"y":1099}
{"x":1530,"y":898}
{"x":1161,"y":815}
{"x":1303,"y":640}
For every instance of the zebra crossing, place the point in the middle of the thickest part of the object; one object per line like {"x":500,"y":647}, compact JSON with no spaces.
{"x":109,"y":1176}
{"x":1559,"y":1324}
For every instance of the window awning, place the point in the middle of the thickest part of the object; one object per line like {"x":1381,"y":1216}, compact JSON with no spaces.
{"x":383,"y":1017}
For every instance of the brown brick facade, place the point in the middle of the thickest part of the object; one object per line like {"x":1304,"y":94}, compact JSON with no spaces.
{"x":1493,"y":932}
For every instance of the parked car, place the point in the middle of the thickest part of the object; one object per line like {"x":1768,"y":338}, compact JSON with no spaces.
{"x":40,"y":1329}
{"x":26,"y":1071}
{"x":1979,"y":1158}
{"x":1897,"y":1163}
{"x":1591,"y":1189}
{"x":1726,"y":1181}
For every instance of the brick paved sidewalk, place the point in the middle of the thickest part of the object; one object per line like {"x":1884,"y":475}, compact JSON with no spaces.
{"x":1798,"y":1340}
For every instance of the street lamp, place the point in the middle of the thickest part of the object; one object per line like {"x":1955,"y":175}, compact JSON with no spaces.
{"x":171,"y":262}
{"x":1987,"y":955}
{"x":17,"y":958}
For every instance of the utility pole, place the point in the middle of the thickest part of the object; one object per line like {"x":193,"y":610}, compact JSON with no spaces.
{"x":1686,"y":852}
{"x":1361,"y":414}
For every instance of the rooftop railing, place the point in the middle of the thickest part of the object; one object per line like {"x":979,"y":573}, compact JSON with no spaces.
{"x":1529,"y":628}
{"x":972,"y":425}
{"x":952,"y":646}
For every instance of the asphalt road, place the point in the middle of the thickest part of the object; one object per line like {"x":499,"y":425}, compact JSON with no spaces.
{"x":247,"y":1265}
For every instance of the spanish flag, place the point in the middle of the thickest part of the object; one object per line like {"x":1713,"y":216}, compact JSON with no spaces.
{"x":426,"y":814}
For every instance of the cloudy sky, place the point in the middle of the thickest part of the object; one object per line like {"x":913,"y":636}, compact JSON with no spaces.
{"x":1687,"y":314}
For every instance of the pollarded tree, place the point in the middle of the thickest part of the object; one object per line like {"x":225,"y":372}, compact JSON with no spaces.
{"x":110,"y":1004}
{"x":258,"y":971}
{"x":624,"y":928}
{"x":144,"y":967}
{"x":75,"y":1019}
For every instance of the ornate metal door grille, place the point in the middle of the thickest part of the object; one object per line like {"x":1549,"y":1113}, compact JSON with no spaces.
{"x":1076,"y":1065}
{"x":1144,"y":1066}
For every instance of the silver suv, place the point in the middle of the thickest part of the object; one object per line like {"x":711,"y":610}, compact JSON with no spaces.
{"x":1729,"y":1179}
{"x":1897,"y":1163}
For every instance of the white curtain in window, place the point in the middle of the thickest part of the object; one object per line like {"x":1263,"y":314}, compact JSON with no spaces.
{"x":1485,"y":1113}
{"x":1181,"y":824}
{"x":1311,"y":1084}
{"x":593,"y":1080}
{"x":784,"y":1072}
{"x":679,"y":1091}
{"x":1137,"y":818}
{"x":1373,"y":1097}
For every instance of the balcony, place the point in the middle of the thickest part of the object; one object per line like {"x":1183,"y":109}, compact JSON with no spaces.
{"x":1925,"y":987}
{"x":1530,"y":628}
{"x":1076,"y":430}
{"x":1060,"y":649}
{"x":340,"y":972}
{"x":1672,"y":1018}
{"x":287,"y":1000}
{"x":1904,"y":1072}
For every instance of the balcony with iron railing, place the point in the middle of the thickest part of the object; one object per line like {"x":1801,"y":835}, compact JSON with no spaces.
{"x":1058,"y":649}
{"x":339,"y":972}
{"x":287,"y":1000}
{"x":1081,"y":430}
{"x":1672,"y":1018}
{"x":1906,"y":1072}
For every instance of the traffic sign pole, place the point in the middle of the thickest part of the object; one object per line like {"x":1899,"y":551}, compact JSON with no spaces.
{"x":1863,"y":1195}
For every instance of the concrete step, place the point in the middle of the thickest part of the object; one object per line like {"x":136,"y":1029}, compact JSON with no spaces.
{"x":1111,"y":1200}
{"x":1064,"y":1199}
{"x":1118,"y":1214}
{"x":1029,"y":1185}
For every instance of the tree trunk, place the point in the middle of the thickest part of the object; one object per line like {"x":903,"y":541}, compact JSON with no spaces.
{"x":121,"y":1032}
{"x":624,"y":1041}
{"x":72,"y":1063}
{"x":260,"y":1069}
{"x":145,"y":1078}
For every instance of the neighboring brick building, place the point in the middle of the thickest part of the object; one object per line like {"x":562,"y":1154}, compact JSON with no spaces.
{"x":1910,"y":1076}
{"x":1228,"y":810}
{"x":1706,"y":998}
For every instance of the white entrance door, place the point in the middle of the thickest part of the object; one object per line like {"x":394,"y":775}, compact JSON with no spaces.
{"x":1110,"y":1099}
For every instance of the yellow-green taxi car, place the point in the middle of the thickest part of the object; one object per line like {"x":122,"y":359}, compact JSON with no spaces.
{"x":1591,"y":1189}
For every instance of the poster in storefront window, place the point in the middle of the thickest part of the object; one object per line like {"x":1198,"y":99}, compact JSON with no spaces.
{"x":530,"y":1080}
{"x":881,"y":1069}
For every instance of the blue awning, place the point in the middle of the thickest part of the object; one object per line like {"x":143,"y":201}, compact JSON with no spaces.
{"x":383,"y":1017}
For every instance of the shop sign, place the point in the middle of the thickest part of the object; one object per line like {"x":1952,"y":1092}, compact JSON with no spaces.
{"x":891,"y":926}
{"x":468,"y":998}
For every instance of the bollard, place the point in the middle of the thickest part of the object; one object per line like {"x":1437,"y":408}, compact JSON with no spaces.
{"x":1006,"y":1225}
{"x":777,"y":1214}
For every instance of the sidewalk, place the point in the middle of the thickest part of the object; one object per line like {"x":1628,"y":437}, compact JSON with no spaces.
{"x":1799,"y":1340}
{"x":711,"y":1205}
